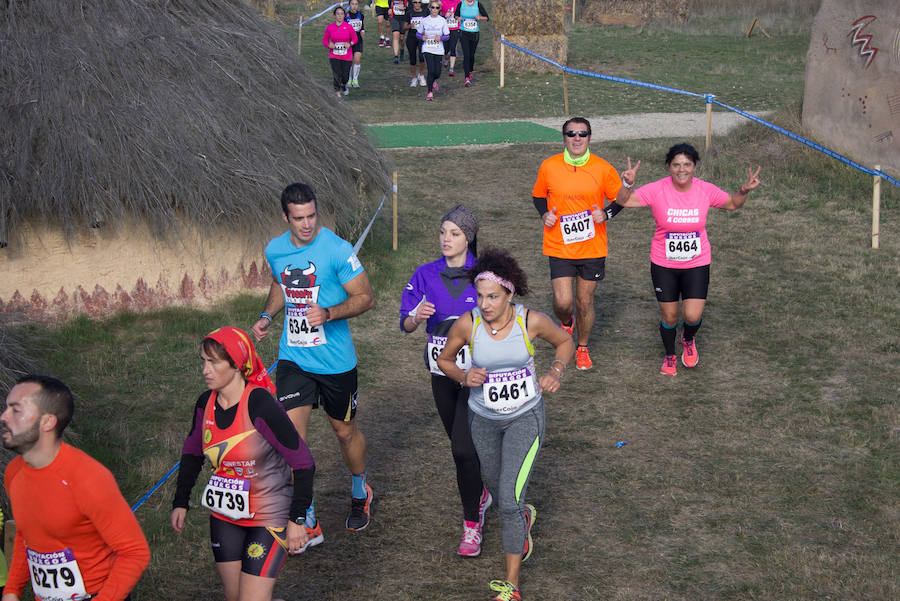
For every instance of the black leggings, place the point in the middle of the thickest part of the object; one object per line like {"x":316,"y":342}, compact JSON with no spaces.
{"x":413,"y":47}
{"x":340,"y":71}
{"x":433,"y":63}
{"x":469,"y":42}
{"x":452,"y":402}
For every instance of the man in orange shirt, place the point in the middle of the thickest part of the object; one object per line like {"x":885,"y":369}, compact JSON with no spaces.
{"x":76,"y":537}
{"x":569,"y":195}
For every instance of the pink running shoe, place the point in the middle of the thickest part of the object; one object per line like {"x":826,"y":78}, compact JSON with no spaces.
{"x":470,"y":545}
{"x":669,"y":366}
{"x":689,"y":356}
{"x":434,"y":87}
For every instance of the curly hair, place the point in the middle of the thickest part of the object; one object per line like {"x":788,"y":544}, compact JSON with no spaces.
{"x":502,"y":264}
{"x":685,"y":149}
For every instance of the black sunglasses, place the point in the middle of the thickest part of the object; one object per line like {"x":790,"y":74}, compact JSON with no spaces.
{"x":580,"y":134}
{"x":435,"y":7}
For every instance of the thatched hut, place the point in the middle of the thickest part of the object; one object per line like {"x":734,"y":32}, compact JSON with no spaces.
{"x":143,"y":147}
{"x":533,"y":24}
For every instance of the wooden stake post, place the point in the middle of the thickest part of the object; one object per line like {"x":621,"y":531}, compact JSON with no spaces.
{"x":709,"y":98}
{"x":502,"y":59}
{"x":876,"y":207}
{"x":300,"y":36}
{"x":394,"y":198}
{"x":756,"y":23}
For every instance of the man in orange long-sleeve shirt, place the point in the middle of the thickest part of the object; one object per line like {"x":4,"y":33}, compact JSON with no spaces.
{"x":76,"y":537}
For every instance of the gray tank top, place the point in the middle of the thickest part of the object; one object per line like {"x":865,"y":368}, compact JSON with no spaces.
{"x":511,"y":388}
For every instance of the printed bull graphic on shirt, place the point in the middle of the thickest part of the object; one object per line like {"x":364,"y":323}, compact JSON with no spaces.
{"x":299,"y":285}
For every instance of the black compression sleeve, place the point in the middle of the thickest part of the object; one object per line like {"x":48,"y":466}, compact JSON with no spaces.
{"x":612,"y":209}
{"x":540,"y":204}
{"x":303,"y":492}
{"x":187,"y":475}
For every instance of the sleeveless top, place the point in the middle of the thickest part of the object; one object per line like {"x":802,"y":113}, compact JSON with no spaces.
{"x":511,"y":387}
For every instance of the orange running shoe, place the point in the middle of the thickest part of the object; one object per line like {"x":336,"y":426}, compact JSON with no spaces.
{"x":669,"y":366}
{"x":583,"y":358}
{"x":570,"y":329}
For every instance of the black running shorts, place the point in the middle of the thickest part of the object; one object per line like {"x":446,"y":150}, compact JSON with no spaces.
{"x":592,"y":270}
{"x":338,"y":393}
{"x":670,"y":283}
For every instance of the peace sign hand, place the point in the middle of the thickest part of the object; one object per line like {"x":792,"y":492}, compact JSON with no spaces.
{"x":629,"y":174}
{"x":752,"y":179}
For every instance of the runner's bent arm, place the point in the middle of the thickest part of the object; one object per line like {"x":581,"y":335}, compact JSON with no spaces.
{"x":456,"y":338}
{"x":736,"y":201}
{"x":541,"y":326}
{"x":359,"y":300}
{"x":274,"y":304}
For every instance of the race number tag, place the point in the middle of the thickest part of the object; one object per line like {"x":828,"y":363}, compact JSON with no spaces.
{"x":228,"y":496}
{"x":356,"y":24}
{"x":452,"y":23}
{"x":414,"y":22}
{"x":682,"y":246}
{"x":399,"y":9}
{"x":55,"y":576}
{"x":432,"y":43}
{"x":506,"y":391}
{"x":470,"y":24}
{"x":436,"y":345}
{"x":576,"y":227}
{"x":340,"y":48}
{"x":299,"y":332}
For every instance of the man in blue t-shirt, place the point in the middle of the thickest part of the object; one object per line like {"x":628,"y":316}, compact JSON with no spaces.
{"x":320,"y":283}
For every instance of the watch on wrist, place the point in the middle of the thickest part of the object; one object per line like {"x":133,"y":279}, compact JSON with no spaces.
{"x":627,"y":185}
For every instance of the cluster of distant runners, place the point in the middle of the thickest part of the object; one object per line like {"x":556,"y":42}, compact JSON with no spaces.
{"x":76,"y":537}
{"x":430,"y":32}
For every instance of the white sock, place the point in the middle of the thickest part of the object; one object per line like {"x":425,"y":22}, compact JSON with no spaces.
{"x":356,"y":71}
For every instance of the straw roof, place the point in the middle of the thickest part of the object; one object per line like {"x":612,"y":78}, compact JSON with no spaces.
{"x":162,"y":112}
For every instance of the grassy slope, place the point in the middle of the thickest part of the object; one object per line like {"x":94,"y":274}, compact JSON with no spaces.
{"x":769,"y":472}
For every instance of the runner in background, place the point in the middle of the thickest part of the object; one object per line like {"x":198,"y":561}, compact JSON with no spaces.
{"x":433,"y":32}
{"x":417,"y":12}
{"x":399,"y":15}
{"x":680,"y":253}
{"x":382,"y":8}
{"x":262,"y":471}
{"x":569,"y":195}
{"x":506,"y":407}
{"x":437,"y":294}
{"x":448,"y":9}
{"x":339,"y":37}
{"x":357,"y":21}
{"x":76,"y":537}
{"x":468,"y":14}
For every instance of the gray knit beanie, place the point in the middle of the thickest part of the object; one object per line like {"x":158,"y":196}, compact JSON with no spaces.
{"x":464,"y":220}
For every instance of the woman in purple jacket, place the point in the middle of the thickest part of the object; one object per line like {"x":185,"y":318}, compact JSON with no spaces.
{"x":437,"y":294}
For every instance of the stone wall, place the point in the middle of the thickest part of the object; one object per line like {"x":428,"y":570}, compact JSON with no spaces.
{"x":851,"y":102}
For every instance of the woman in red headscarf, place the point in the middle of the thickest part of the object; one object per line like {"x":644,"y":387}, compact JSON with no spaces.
{"x":257,"y":512}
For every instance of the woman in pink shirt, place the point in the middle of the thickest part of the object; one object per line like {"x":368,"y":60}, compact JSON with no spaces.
{"x":339,"y":38}
{"x":680,"y":253}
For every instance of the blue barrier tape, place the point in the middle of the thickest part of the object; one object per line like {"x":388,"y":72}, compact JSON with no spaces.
{"x":811,"y":144}
{"x":710,"y":99}
{"x":168,"y":475}
{"x":155,"y":486}
{"x":314,"y":17}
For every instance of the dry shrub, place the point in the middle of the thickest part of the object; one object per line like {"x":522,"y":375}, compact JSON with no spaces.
{"x":14,"y":361}
{"x":533,"y":24}
{"x":158,"y":112}
{"x":635,"y":12}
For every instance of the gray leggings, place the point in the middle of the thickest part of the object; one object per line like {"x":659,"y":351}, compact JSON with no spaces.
{"x":508,"y":450}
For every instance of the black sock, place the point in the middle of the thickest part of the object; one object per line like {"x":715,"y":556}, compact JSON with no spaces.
{"x":668,"y":337}
{"x":690,"y":329}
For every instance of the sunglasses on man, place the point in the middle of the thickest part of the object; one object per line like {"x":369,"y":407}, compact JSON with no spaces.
{"x":580,"y":134}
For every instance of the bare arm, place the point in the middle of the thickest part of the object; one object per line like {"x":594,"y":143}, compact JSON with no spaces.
{"x":736,"y":201}
{"x":274,"y":304}
{"x":456,"y":338}
{"x":359,"y":300}
{"x":541,"y":326}
{"x":624,"y":196}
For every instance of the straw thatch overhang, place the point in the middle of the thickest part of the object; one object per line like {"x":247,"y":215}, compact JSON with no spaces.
{"x":143,"y":148}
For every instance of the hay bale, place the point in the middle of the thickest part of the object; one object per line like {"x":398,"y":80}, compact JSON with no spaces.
{"x":635,"y":12}
{"x":533,"y":24}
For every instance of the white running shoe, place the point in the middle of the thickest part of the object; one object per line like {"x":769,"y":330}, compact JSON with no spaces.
{"x":422,"y":81}
{"x":413,"y":82}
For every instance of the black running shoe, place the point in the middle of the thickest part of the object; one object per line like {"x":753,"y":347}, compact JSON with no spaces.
{"x":360,"y":510}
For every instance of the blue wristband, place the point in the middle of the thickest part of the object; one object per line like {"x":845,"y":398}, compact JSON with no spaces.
{"x":266,"y":315}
